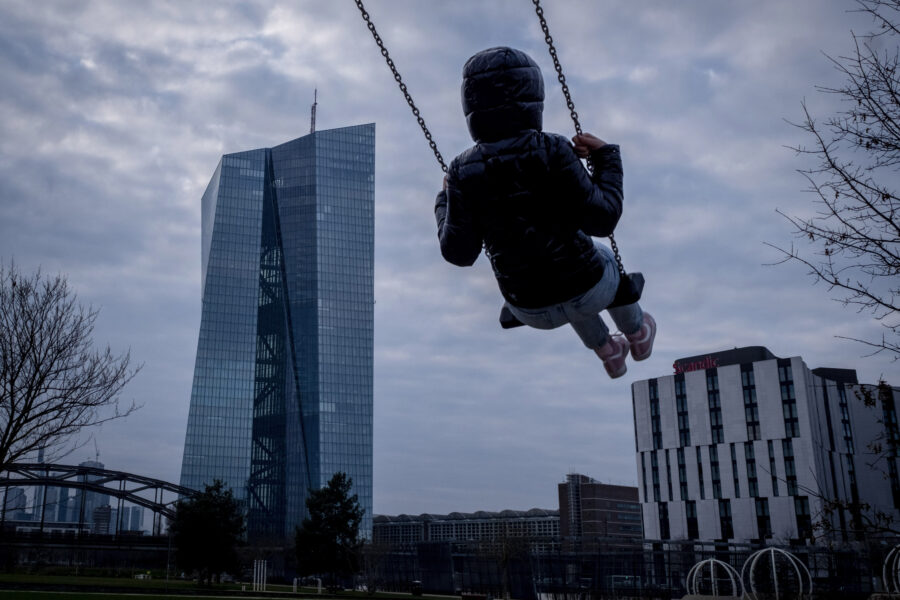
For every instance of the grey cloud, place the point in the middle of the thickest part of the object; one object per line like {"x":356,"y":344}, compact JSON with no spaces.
{"x":114,"y":115}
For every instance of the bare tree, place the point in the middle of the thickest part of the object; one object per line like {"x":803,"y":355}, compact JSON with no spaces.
{"x":854,"y":237}
{"x":53,"y":383}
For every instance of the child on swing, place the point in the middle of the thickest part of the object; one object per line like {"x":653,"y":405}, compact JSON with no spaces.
{"x":526,"y":198}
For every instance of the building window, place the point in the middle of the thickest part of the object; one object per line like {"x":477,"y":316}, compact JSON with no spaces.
{"x":893,"y":439}
{"x":734,"y":472}
{"x":654,"y":471}
{"x":790,"y":468}
{"x":750,"y":459}
{"x":788,"y":399}
{"x":700,"y":474}
{"x":644,"y":474}
{"x":663,"y":521}
{"x":772,"y":468}
{"x":751,"y":408}
{"x":889,"y":412}
{"x":714,"y":472}
{"x":682,"y":474}
{"x":669,"y":474}
{"x":684,"y":423}
{"x":804,"y":520}
{"x":725,"y":519}
{"x":827,"y":404}
{"x":850,"y":468}
{"x":895,"y":480}
{"x":763,"y":520}
{"x":655,"y":424}
{"x":855,"y":511}
{"x":845,"y":419}
{"x":690,"y":511}
{"x":715,"y":406}
{"x":834,"y":488}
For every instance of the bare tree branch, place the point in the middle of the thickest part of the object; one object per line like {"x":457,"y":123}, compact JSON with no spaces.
{"x":53,"y":383}
{"x":852,"y":243}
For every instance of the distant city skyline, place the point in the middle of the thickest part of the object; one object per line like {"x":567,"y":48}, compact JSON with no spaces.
{"x":49,"y":507}
{"x":114,"y":115}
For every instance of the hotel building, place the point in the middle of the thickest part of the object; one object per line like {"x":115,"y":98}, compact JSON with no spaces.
{"x":742,"y":445}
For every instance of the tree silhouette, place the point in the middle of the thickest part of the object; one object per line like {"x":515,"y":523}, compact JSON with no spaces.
{"x":53,"y":383}
{"x":328,"y":540}
{"x":206,"y":532}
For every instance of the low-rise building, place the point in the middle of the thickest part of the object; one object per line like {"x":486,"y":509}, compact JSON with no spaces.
{"x":590,"y":510}
{"x":536,"y":524}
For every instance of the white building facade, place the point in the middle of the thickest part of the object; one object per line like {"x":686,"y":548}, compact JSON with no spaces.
{"x":742,"y":445}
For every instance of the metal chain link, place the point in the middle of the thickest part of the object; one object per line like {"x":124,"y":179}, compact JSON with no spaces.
{"x":559,"y":72}
{"x":417,"y":113}
{"x":399,"y":80}
{"x":571,"y":106}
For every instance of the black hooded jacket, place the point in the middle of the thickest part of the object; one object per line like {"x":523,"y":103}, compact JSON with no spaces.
{"x":523,"y":194}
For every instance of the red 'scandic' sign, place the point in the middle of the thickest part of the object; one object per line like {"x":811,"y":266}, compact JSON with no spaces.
{"x":706,"y":363}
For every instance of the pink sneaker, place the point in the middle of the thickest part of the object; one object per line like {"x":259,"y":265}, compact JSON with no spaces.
{"x":642,"y":340}
{"x":613,"y":354}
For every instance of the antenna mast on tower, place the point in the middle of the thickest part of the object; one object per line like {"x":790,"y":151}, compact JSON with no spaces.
{"x":312,"y":120}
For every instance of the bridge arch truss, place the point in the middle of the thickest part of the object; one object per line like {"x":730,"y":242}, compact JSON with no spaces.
{"x":156,"y":495}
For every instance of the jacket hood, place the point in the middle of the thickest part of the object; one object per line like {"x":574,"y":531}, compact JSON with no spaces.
{"x":502,"y":94}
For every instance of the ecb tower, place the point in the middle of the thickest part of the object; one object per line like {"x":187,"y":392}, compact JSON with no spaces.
{"x":282,"y":391}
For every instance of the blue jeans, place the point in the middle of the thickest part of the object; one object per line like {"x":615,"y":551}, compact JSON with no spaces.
{"x":583,"y":312}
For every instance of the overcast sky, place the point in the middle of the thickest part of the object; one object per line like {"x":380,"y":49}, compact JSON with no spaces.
{"x":113,"y":116}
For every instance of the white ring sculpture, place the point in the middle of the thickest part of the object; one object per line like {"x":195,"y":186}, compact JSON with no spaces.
{"x":691,"y":582}
{"x":891,"y":580}
{"x":795,"y":562}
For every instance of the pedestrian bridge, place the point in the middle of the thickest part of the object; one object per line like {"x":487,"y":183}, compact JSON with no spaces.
{"x":153,"y":494}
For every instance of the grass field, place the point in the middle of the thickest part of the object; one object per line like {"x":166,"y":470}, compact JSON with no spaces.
{"x":42,"y":595}
{"x":82,"y":580}
{"x":153,"y":589}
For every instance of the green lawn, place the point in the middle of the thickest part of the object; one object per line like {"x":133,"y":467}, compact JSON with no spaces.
{"x":145,"y":589}
{"x":101,"y":581}
{"x":19,"y":595}
{"x":43,"y":595}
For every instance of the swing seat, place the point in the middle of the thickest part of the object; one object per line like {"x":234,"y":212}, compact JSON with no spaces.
{"x":507,"y":319}
{"x":629,"y":291}
{"x":630,"y":288}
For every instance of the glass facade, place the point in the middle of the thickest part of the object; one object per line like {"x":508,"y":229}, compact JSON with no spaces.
{"x":282,"y":392}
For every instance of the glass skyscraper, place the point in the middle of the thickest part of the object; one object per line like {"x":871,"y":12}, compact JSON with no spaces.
{"x":282,"y":391}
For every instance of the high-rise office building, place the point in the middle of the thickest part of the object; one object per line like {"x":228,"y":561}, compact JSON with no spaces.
{"x":742,"y":445}
{"x":282,"y":392}
{"x":50,"y":498}
{"x":136,"y":519}
{"x":83,"y":505}
{"x":15,"y":503}
{"x":64,"y":503}
{"x":103,"y":519}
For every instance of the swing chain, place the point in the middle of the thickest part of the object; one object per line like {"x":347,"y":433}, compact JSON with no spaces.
{"x":571,"y":106}
{"x":615,"y":249}
{"x":559,"y":72}
{"x":412,"y":105}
